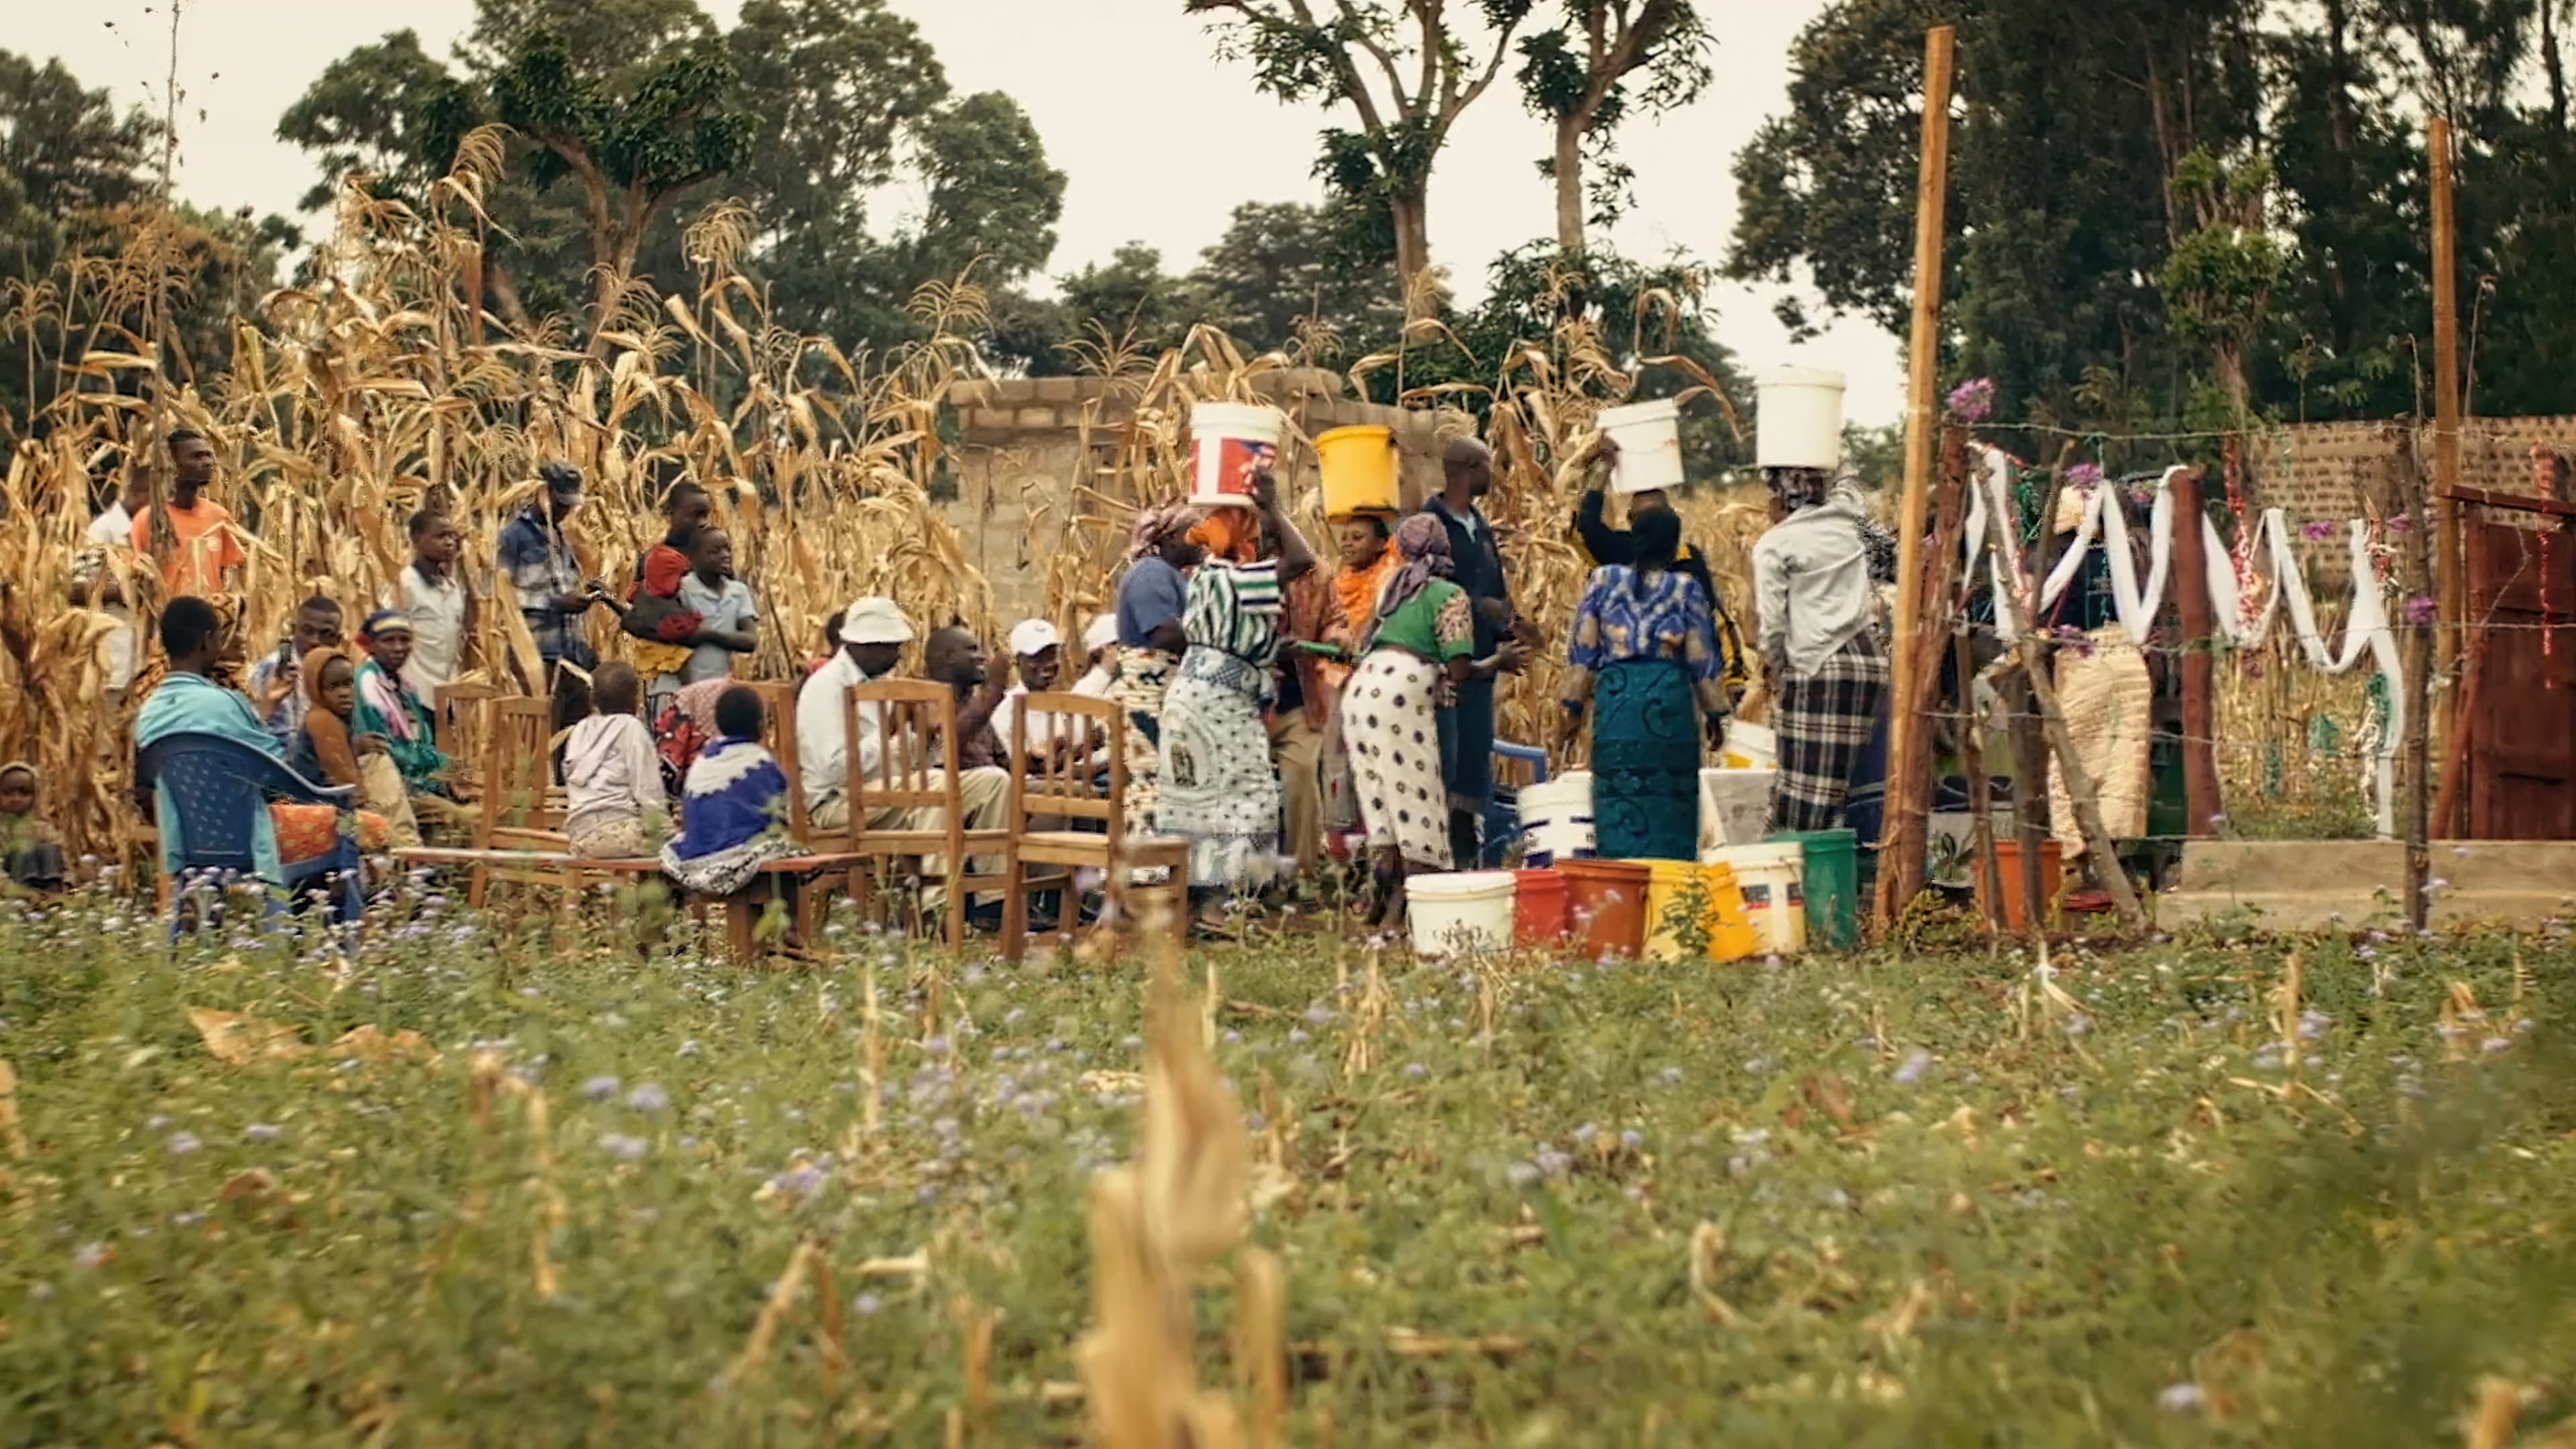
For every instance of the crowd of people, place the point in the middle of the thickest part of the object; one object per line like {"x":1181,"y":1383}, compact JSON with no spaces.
{"x":1276,"y":703}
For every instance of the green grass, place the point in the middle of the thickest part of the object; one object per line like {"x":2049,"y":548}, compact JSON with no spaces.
{"x":2122,"y":1228}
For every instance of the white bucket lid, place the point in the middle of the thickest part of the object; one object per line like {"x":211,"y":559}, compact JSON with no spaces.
{"x":1799,"y":418}
{"x":1461,"y":884}
{"x":1638,"y":412}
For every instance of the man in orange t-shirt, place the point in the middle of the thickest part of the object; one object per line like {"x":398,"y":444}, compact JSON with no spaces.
{"x":205,"y":556}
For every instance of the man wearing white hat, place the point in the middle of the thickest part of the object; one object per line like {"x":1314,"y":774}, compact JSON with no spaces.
{"x":1100,"y":653}
{"x":1037,"y":661}
{"x":873,"y":633}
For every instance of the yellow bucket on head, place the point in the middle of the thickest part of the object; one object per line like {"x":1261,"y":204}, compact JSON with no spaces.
{"x":1722,"y":917}
{"x":1359,"y":471}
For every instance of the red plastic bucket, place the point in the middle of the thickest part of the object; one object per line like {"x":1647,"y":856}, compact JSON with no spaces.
{"x":1538,"y":907}
{"x":1605,"y":902}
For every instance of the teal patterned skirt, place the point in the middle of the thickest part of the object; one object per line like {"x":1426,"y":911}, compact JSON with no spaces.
{"x":1645,"y":762}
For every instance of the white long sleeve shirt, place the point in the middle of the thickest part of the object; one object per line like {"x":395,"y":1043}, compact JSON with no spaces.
{"x":822,"y":731}
{"x":1811,"y":583}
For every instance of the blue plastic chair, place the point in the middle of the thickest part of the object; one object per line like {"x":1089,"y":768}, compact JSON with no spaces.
{"x":1503,"y":811}
{"x":221,"y":788}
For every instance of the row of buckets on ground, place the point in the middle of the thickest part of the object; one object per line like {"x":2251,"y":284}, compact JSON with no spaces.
{"x":1748,"y":900}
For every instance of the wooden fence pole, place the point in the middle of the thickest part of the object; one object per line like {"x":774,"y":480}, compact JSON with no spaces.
{"x":2201,"y":802}
{"x":2451,"y":591}
{"x":1906,"y":790}
{"x":2419,"y":666}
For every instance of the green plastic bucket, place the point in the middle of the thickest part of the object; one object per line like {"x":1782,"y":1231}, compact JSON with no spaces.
{"x":1832,"y":885}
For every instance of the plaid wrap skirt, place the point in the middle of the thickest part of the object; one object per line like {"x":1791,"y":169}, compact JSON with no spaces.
{"x":1823,"y":722}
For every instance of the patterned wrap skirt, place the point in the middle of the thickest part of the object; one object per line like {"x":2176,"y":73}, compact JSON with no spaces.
{"x":1143,"y":677}
{"x":1217,"y":788}
{"x":1645,"y":761}
{"x":1823,"y":722}
{"x":1391,"y":725}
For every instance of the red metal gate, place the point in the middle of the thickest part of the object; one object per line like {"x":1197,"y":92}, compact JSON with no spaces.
{"x":2519,"y":701}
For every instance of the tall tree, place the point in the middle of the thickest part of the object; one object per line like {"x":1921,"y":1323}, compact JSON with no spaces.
{"x":1406,"y":68}
{"x":1274,"y":279}
{"x":629,"y":113}
{"x":1576,"y":75}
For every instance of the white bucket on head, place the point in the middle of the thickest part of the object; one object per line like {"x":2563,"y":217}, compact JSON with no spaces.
{"x":1768,"y":876}
{"x":1800,"y":419}
{"x":1229,"y":444}
{"x":1649,"y":435}
{"x":1460,"y":911}
{"x":1734,"y":805}
{"x":1556,"y":818}
{"x":1749,"y":747}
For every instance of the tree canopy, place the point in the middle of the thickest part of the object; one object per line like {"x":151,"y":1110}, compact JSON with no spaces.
{"x":626,"y":115}
{"x":2184,"y":213}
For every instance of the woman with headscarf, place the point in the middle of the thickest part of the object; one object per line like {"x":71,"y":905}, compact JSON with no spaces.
{"x":1812,"y":584}
{"x":327,"y":753}
{"x":1216,"y":786}
{"x":391,"y":709}
{"x":1645,"y":659}
{"x":1418,"y":648}
{"x":1151,"y":596}
{"x":187,"y":690}
{"x":1368,"y":560}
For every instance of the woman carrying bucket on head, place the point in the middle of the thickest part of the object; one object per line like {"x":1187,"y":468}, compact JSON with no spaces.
{"x":1598,"y":468}
{"x":1812,"y":582}
{"x":1644,"y":652}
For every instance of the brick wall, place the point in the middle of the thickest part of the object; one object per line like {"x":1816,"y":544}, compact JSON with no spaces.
{"x":2325,"y":471}
{"x":1033,"y":450}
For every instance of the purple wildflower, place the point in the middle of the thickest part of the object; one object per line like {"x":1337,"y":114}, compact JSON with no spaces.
{"x":600,"y":1089}
{"x":183,"y":1143}
{"x":1972,"y":401}
{"x":623,"y":1147}
{"x":261,"y":1132}
{"x":2084,"y":477}
{"x":2419,"y":611}
{"x":1916,"y":1066}
{"x":648,"y":1097}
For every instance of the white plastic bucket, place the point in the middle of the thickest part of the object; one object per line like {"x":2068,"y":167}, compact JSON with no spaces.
{"x":1733,"y":807}
{"x":1229,"y":444}
{"x":1768,"y":876}
{"x":1649,"y":435}
{"x":1556,"y":818}
{"x":1800,"y":422}
{"x":1460,"y":911}
{"x":1749,"y":747}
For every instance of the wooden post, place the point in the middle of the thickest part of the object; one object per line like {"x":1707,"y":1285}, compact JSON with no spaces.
{"x":2451,"y":607}
{"x":1907,"y":825}
{"x":1972,"y":763}
{"x":2191,"y":599}
{"x":2419,"y":663}
{"x":1905,"y":790}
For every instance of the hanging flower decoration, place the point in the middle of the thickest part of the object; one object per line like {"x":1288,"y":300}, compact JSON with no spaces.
{"x":2419,"y":611}
{"x":2084,"y":477}
{"x":1972,"y":401}
{"x":2318,"y":530}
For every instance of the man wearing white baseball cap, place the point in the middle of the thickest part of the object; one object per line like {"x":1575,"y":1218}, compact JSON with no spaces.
{"x":873,"y":633}
{"x":1100,"y":652}
{"x":1037,"y":661}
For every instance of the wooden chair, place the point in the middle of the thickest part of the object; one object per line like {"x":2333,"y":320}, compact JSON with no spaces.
{"x":1066,"y":787}
{"x":914,"y":773}
{"x":521,"y":807}
{"x":457,"y":728}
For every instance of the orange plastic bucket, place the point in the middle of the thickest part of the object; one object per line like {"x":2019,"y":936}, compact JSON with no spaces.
{"x":1605,"y":904}
{"x":1538,"y":907}
{"x":2052,"y":877}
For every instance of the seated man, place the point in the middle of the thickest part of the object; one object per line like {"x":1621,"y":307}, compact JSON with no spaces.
{"x":873,"y":633}
{"x":1037,"y":661}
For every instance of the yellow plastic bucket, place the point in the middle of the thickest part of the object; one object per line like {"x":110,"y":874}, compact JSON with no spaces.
{"x":1722,"y":918}
{"x":1359,"y":471}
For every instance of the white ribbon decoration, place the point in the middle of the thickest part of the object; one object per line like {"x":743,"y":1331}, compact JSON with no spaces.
{"x":2366,"y":622}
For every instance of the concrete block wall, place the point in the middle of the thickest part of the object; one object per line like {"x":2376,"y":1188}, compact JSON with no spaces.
{"x":1028,"y":446}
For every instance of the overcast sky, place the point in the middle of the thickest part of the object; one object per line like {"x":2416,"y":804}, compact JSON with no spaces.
{"x":1159,"y":139}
